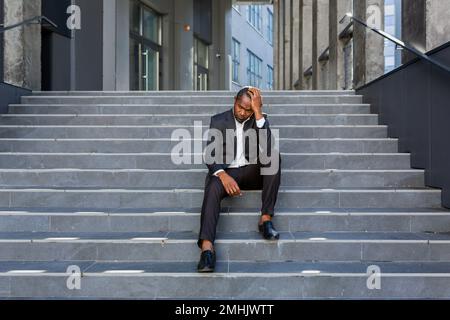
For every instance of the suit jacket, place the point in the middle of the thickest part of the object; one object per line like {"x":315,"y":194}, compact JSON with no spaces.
{"x":226,"y":120}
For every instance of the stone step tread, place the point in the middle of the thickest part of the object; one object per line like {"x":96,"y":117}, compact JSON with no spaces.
{"x":175,"y":141}
{"x":148,"y":212}
{"x":224,"y":237}
{"x":224,"y":105}
{"x":232,"y":93}
{"x":169,"y":94}
{"x":190,"y":190}
{"x":63,"y":170}
{"x":236,"y":268}
{"x":185,"y":126}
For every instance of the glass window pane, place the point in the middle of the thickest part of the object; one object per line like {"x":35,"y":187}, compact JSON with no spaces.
{"x":151,"y":26}
{"x":134,"y":65}
{"x":135,"y":18}
{"x":202,"y":54}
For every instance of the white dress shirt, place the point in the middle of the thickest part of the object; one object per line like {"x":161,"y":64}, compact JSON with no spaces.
{"x":240,"y":160}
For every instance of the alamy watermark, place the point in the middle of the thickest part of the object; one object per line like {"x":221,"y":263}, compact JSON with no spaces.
{"x":190,"y":148}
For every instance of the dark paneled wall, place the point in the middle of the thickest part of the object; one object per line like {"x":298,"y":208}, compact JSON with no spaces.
{"x":56,"y":11}
{"x":10,"y":94}
{"x":89,"y":46}
{"x":203,"y":20}
{"x":414,"y":101}
{"x":1,"y":42}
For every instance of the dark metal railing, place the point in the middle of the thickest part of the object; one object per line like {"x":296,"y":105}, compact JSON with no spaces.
{"x":35,"y":20}
{"x":398,"y":42}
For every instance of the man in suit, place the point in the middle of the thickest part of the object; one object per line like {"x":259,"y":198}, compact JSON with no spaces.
{"x":244,"y":172}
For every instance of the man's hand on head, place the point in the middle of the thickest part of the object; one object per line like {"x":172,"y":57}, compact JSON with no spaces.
{"x":230,"y":185}
{"x":257,"y":103}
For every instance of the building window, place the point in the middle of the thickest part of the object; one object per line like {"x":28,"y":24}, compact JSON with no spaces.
{"x":254,"y":16}
{"x":254,"y":75}
{"x":269,"y":77}
{"x":236,"y":59}
{"x":270,"y":26}
{"x":392,"y":20}
{"x":201,"y":65}
{"x":145,"y":47}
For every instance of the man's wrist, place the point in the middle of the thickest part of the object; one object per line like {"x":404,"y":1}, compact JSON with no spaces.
{"x":259,"y":115}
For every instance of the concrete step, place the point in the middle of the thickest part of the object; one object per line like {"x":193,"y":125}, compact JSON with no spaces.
{"x":239,"y":280}
{"x":167,"y":146}
{"x":188,"y":99}
{"x":195,"y":178}
{"x":192,"y":198}
{"x":237,"y":246}
{"x":302,"y":161}
{"x":272,"y":109}
{"x":332,"y":220}
{"x":165,"y":131}
{"x":193,"y":93}
{"x":177,"y":119}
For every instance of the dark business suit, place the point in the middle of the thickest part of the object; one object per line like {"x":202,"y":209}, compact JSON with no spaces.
{"x":248,"y":177}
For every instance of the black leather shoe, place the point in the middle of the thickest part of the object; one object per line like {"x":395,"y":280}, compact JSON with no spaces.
{"x":207,"y":261}
{"x":268,"y":231}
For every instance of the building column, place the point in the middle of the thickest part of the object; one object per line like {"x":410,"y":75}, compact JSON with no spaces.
{"x":307,"y":43}
{"x":22,"y":46}
{"x":425,"y":25}
{"x":368,"y":49}
{"x":320,"y":43}
{"x":276,"y":57}
{"x":220,"y":68}
{"x":184,"y":45}
{"x":297,"y":44}
{"x":338,"y":9}
{"x":287,"y":57}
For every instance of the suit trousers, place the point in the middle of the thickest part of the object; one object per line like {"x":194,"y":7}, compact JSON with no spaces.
{"x":247,"y":178}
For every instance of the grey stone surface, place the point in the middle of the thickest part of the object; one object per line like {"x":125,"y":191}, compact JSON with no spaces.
{"x":79,"y":187}
{"x":22,"y":52}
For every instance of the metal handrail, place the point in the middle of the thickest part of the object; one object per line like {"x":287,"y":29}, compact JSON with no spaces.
{"x":34,"y":20}
{"x":398,"y":42}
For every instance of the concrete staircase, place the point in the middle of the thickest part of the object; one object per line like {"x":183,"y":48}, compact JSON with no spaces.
{"x":86,"y":179}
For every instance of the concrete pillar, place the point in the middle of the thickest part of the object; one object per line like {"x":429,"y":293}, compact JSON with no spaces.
{"x":425,"y":24}
{"x":287,"y":57}
{"x":437,"y":22}
{"x":184,"y":44}
{"x":281,"y":46}
{"x":22,"y":52}
{"x":297,"y":44}
{"x":307,"y":43}
{"x":320,"y":43}
{"x":338,"y":9}
{"x":368,"y":48}
{"x":276,"y":44}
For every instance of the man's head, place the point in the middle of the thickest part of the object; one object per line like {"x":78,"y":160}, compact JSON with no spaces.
{"x":243,"y":105}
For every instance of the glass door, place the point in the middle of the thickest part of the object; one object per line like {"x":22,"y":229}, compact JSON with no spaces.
{"x":145,"y":48}
{"x":201,"y":65}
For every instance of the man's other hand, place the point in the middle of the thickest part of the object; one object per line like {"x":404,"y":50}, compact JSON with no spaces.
{"x":230,"y":185}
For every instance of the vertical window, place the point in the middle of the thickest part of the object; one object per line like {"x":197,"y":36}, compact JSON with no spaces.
{"x":254,"y":16}
{"x":145,"y":47}
{"x":270,"y":26}
{"x":236,"y":59}
{"x":201,"y":65}
{"x":269,"y":77}
{"x":254,"y":75}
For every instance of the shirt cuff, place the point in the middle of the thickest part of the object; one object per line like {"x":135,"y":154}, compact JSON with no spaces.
{"x":260,"y":123}
{"x":217,"y":172}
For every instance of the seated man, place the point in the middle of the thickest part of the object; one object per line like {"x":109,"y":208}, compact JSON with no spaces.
{"x":243,"y":173}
